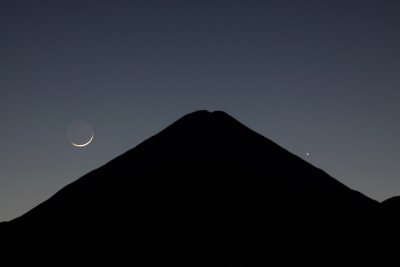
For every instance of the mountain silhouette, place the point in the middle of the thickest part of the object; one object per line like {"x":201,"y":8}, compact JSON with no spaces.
{"x":205,"y":191}
{"x":392,"y":203}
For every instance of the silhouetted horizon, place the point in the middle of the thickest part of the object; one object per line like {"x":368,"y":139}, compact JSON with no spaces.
{"x":205,"y":190}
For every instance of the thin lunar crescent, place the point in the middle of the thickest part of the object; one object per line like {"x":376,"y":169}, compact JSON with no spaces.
{"x":80,"y":133}
{"x":85,"y":144}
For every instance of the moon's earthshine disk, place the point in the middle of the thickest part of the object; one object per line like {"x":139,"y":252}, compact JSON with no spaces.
{"x":80,"y":133}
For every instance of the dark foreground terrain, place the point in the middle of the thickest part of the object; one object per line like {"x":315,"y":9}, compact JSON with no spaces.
{"x":206,"y":191}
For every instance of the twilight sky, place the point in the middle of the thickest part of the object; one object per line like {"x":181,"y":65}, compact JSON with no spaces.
{"x":318,"y":77}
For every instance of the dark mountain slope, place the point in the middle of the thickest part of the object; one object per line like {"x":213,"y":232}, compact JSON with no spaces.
{"x":205,"y":191}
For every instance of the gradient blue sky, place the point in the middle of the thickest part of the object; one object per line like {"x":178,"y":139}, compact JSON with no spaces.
{"x":318,"y":77}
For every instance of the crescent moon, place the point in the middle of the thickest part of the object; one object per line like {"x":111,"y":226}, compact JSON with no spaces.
{"x":85,"y":144}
